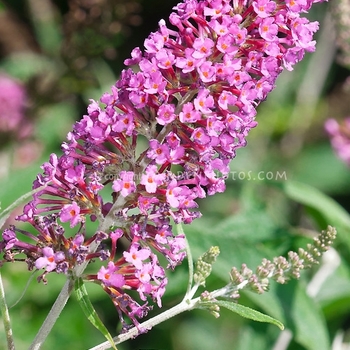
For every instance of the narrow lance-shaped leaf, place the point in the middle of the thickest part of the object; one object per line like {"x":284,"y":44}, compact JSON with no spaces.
{"x":89,"y":310}
{"x":331,"y":212}
{"x":245,"y":312}
{"x":334,"y":213}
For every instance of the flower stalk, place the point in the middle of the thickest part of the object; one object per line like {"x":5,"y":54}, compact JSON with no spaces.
{"x":190,"y":96}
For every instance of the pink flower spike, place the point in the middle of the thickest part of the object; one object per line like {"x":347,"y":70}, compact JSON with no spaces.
{"x":71,"y":212}
{"x":163,"y":139}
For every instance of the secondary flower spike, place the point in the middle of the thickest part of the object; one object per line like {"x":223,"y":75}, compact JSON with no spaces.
{"x":161,"y":139}
{"x":339,"y":134}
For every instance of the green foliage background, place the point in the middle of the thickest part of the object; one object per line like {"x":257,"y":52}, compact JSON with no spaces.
{"x":286,"y":185}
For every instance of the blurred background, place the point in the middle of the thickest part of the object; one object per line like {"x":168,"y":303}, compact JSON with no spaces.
{"x":285,"y":186}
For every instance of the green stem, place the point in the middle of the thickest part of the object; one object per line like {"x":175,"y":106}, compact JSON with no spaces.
{"x":51,"y":318}
{"x":6,"y":317}
{"x":180,"y":231}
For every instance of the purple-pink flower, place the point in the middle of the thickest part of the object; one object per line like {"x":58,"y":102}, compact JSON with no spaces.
{"x":71,"y":213}
{"x":110,"y":277}
{"x":166,"y":114}
{"x":126,"y":184}
{"x":151,"y":179}
{"x":136,"y":255}
{"x":49,"y":259}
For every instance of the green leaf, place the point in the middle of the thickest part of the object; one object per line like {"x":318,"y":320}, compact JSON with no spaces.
{"x":89,"y":310}
{"x":246,"y":312}
{"x":301,"y":314}
{"x":334,"y":296}
{"x":312,"y":166}
{"x":309,"y":324}
{"x":308,"y":195}
{"x":269,"y":302}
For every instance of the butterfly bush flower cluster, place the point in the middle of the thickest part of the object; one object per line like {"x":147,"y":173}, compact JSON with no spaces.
{"x":163,"y":138}
{"x":339,"y":134}
{"x":13,"y":98}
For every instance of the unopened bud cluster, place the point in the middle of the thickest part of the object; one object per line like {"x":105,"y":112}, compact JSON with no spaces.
{"x":204,"y":265}
{"x":280,"y":269}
